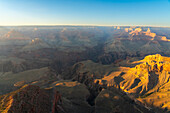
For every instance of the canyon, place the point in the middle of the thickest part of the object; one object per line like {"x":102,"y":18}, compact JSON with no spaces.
{"x":84,"y":69}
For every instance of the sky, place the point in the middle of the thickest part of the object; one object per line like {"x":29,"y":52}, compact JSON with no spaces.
{"x":85,"y":12}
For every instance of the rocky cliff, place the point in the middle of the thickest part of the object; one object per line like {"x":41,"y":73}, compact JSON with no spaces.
{"x":30,"y":99}
{"x":148,"y":81}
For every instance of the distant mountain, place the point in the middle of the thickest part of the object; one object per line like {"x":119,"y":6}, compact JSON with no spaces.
{"x":145,"y":34}
{"x":135,"y":41}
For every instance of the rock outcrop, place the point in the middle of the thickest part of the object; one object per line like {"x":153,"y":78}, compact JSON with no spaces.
{"x":30,"y":99}
{"x":148,"y":81}
{"x":136,"y":31}
{"x":128,"y":29}
{"x":148,"y":33}
{"x":149,"y":75}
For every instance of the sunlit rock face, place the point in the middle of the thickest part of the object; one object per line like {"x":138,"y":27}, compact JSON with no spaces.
{"x":150,"y":74}
{"x":148,"y":33}
{"x":36,"y":40}
{"x":139,"y":31}
{"x":118,"y":27}
{"x":128,"y":29}
{"x":156,"y":37}
{"x":149,"y":80}
{"x":163,"y":38}
{"x":136,"y":31}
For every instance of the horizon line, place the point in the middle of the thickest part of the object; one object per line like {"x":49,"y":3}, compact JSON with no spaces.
{"x":84,"y":25}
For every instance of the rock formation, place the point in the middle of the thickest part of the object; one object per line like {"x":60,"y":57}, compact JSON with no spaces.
{"x":128,"y":29}
{"x":150,"y":78}
{"x":148,"y":33}
{"x":136,"y":31}
{"x":30,"y":99}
